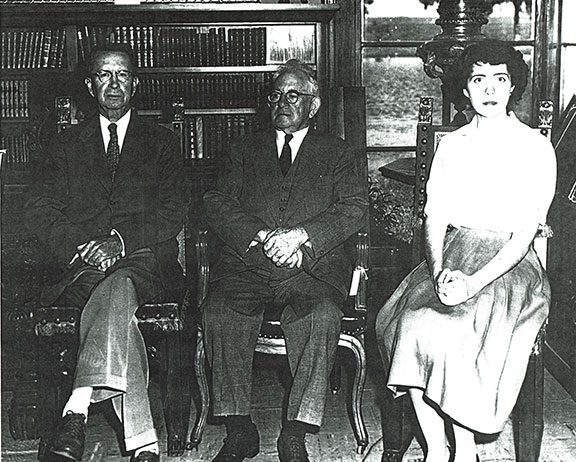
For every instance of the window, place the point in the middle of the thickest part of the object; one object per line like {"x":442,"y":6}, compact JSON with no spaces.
{"x":567,"y":55}
{"x":394,"y":76}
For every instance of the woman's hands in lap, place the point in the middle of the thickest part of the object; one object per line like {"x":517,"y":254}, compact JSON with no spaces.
{"x":454,"y":287}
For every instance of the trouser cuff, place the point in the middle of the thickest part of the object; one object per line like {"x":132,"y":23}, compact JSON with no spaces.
{"x":141,"y":439}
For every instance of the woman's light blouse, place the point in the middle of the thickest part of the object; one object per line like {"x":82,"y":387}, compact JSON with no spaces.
{"x":500,"y":182}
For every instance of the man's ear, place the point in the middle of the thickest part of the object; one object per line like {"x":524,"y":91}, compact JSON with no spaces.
{"x":314,"y":106}
{"x":88,"y":83}
{"x":466,"y":93}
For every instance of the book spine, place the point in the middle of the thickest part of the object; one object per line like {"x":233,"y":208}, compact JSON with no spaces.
{"x":61,"y":49}
{"x":191,"y":154}
{"x":39,"y":49}
{"x":29,"y":47}
{"x":80,"y":39}
{"x":3,"y":99}
{"x":19,"y":51}
{"x":46,"y":48}
{"x":199,"y":133}
{"x":152,"y":41}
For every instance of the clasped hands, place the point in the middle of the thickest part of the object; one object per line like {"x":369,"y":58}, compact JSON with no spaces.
{"x":282,"y":246}
{"x":454,"y":287}
{"x":101,"y":252}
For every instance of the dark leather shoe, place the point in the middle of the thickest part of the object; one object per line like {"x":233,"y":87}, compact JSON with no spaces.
{"x":239,"y":445}
{"x":146,"y":456}
{"x":292,"y":448}
{"x":69,"y":438}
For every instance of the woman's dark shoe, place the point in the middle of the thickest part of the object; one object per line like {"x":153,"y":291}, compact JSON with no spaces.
{"x":292,"y":448}
{"x":146,"y":456}
{"x":69,"y":438}
{"x":239,"y":444}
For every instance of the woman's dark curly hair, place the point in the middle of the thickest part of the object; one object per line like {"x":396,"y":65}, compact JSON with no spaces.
{"x":489,"y":52}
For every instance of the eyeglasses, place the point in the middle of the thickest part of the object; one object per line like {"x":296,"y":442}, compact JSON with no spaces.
{"x":292,"y":96}
{"x":106,"y":76}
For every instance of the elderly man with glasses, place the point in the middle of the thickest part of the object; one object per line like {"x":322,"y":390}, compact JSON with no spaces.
{"x":109,"y":205}
{"x":286,"y":200}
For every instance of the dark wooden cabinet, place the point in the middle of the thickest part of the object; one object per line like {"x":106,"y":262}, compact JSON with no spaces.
{"x":561,"y":334}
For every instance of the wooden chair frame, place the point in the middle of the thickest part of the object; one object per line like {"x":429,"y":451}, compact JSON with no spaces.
{"x":271,"y":341}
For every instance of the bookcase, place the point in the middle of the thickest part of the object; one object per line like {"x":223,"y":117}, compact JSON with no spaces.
{"x":218,"y":58}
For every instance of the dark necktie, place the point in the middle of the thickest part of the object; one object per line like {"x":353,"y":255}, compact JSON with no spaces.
{"x":113,"y":151}
{"x":286,"y":156}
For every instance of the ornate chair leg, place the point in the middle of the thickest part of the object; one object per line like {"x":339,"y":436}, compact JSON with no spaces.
{"x":201,"y":378}
{"x":527,"y":418}
{"x":177,"y":389}
{"x":357,"y":349}
{"x":395,"y":428}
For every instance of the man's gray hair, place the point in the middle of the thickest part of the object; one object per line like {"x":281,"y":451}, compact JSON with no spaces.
{"x":295,"y":66}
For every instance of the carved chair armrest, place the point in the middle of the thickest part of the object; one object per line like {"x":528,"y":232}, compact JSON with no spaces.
{"x":203,"y":263}
{"x":361,"y":270}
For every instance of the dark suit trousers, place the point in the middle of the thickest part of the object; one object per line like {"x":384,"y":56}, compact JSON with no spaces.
{"x":311,"y":339}
{"x":112,"y":354}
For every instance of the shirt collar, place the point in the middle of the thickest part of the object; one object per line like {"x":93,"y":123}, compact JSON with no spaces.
{"x":298,"y":136}
{"x":471,"y":127}
{"x":121,"y":124}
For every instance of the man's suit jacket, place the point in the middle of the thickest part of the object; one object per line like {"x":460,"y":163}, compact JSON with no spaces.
{"x":76,"y":201}
{"x":325,"y":191}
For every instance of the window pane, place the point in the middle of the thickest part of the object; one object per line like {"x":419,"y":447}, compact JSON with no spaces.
{"x":523,"y":109}
{"x":395,"y":80}
{"x":399,"y":20}
{"x":568,"y":15}
{"x":568,"y":77}
{"x":502,"y":25}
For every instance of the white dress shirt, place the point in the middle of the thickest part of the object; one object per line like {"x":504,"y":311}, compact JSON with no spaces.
{"x":294,"y":143}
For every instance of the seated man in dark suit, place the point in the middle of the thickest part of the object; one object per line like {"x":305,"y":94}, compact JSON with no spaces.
{"x":286,"y":200}
{"x":109,"y":206}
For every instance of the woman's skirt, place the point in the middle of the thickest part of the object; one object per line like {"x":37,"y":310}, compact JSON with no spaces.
{"x":470,"y":359}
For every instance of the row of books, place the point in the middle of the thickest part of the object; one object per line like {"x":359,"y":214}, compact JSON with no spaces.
{"x":17,"y":151}
{"x":14,"y":98}
{"x":208,"y":134}
{"x":205,"y":91}
{"x":33,"y":48}
{"x":169,"y":46}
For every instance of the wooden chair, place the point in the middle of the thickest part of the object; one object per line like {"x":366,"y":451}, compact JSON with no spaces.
{"x":271,"y":341}
{"x":527,"y":416}
{"x":56,"y":328}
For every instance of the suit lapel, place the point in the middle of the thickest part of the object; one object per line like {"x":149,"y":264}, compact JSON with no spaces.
{"x":132,"y":146}
{"x":268,"y":171}
{"x":302,"y":174}
{"x":94,"y":150}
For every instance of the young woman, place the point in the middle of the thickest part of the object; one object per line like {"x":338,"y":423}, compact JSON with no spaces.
{"x":458,"y":331}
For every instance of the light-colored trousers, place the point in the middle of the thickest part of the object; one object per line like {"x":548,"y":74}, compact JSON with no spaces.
{"x":112,"y":354}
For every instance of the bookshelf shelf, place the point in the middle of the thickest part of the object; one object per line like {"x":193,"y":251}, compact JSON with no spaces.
{"x":18,"y":15}
{"x":207,"y":69}
{"x":15,"y":120}
{"x":192,"y":111}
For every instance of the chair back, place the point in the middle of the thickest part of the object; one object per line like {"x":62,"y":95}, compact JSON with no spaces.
{"x":428,"y":136}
